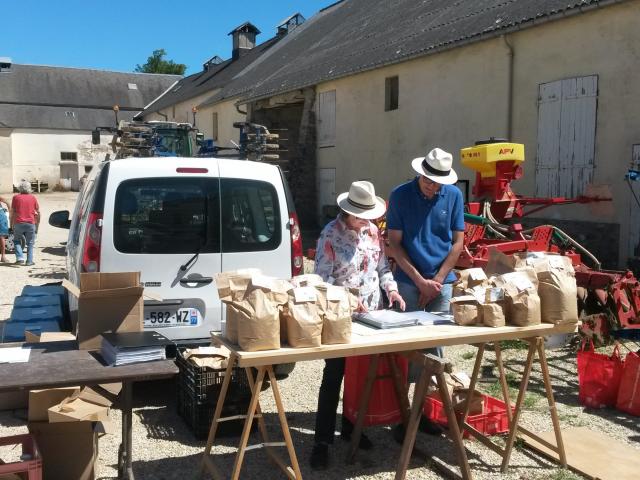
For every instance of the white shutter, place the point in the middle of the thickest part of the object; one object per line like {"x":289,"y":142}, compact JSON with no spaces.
{"x":566,"y":136}
{"x":326,"y":119}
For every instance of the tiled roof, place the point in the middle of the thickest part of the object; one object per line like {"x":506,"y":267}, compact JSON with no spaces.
{"x":33,"y":96}
{"x":353,"y":36}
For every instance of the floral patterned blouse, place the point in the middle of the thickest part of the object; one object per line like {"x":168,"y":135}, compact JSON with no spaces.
{"x":355,"y":260}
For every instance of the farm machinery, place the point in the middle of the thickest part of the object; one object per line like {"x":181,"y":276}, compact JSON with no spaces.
{"x":609,"y":300}
{"x":170,"y":139}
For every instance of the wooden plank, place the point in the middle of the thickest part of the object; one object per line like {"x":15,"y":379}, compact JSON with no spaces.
{"x":413,"y":338}
{"x":593,"y":454}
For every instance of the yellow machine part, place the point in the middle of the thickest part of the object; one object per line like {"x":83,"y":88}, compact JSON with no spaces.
{"x":483,"y":158}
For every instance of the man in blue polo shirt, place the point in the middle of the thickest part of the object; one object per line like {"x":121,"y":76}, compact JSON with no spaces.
{"x":425,"y":224}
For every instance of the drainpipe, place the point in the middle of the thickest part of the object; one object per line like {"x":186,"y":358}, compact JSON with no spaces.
{"x":166,"y":118}
{"x":509,"y":88}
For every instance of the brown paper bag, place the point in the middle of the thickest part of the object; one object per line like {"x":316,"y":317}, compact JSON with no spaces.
{"x":466,"y":310}
{"x":557,"y":289}
{"x":258,"y":322}
{"x":469,"y":278}
{"x":304,"y":323}
{"x":306,"y":280}
{"x":523,"y":302}
{"x":336,"y":305}
{"x":493,"y":315}
{"x":232,"y":287}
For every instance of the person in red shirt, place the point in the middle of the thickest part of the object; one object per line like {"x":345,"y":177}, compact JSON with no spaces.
{"x":25,"y":218}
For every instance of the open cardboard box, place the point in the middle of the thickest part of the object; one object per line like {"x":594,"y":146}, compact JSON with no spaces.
{"x":69,"y":450}
{"x":107,"y":302}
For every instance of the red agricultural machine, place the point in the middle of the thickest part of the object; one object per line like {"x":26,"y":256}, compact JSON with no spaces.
{"x":609,"y":300}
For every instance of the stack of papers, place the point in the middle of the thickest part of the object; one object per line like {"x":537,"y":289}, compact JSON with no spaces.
{"x":133,"y":347}
{"x":14,"y":355}
{"x":393,"y":319}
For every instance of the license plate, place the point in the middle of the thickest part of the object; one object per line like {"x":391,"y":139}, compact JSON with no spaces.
{"x":172,"y":318}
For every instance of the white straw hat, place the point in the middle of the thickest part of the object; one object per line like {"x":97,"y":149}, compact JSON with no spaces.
{"x":436,"y":166}
{"x":361,"y":201}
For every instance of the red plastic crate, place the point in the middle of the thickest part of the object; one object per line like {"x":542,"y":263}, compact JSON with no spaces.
{"x":33,"y":467}
{"x":383,"y":404}
{"x":492,"y":421}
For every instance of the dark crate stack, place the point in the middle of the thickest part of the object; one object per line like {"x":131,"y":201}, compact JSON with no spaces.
{"x":198,"y":390}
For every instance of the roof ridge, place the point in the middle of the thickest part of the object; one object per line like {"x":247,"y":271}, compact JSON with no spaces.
{"x":96,"y":70}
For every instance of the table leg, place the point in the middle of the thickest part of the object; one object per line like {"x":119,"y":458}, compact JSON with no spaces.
{"x":244,"y":438}
{"x":454,"y":431}
{"x":283,"y":423}
{"x":472,"y":386}
{"x":402,"y":392}
{"x":414,"y":420}
{"x":503,"y":379}
{"x":552,"y":404}
{"x":513,"y":424}
{"x":363,"y":407}
{"x":125,"y":470}
{"x":219,"y":405}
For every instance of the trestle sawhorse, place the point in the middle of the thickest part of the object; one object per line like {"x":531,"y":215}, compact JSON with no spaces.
{"x":292,"y":471}
{"x":400,"y":340}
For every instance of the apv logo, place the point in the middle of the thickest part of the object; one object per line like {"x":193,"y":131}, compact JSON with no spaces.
{"x":504,"y":151}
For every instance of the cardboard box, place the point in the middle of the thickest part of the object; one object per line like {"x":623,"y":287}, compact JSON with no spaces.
{"x":107,"y":302}
{"x":43,"y":337}
{"x":40,"y":401}
{"x":69,"y":449}
{"x":84,"y":405}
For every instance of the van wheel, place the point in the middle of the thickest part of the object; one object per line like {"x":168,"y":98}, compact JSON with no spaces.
{"x":283,"y":370}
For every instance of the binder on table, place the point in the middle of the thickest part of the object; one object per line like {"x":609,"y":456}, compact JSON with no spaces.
{"x":133,"y":347}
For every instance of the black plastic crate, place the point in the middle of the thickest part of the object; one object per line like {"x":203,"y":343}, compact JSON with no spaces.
{"x":198,"y":391}
{"x":204,"y":384}
{"x":198,"y":416}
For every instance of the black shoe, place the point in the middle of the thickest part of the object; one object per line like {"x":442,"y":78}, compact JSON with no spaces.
{"x":398,"y":433}
{"x":425,"y":426}
{"x":429,"y":427}
{"x":364,"y":444}
{"x":319,"y":457}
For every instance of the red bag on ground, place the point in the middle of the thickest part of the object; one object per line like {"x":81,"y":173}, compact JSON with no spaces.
{"x":383,"y":404}
{"x":629,"y":393}
{"x":598,"y":377}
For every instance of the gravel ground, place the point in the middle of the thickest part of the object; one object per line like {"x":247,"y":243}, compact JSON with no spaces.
{"x":164,"y":448}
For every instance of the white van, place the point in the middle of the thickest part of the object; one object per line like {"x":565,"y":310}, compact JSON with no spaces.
{"x":179,"y":221}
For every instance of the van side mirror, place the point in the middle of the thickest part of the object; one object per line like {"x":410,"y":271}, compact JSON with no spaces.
{"x":95,"y":137}
{"x":199,"y":138}
{"x":60,"y":219}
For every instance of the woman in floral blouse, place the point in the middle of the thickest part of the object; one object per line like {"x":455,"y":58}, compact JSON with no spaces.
{"x":350,"y":252}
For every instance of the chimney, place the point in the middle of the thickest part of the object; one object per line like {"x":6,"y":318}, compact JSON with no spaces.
{"x":289,"y":23}
{"x":244,"y":39}
{"x":212,"y":62}
{"x":5,"y":64}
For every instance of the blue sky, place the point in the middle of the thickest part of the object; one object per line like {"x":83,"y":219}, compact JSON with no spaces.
{"x":118,"y":34}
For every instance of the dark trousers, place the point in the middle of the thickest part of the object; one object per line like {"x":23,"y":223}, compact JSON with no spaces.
{"x":328,"y":399}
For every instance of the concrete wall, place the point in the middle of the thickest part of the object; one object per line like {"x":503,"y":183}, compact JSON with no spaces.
{"x":454,"y":98}
{"x":227,"y":114}
{"x":6,"y":166}
{"x":36,"y":153}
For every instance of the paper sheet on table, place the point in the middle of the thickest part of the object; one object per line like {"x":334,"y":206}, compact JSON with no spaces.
{"x":14,"y":355}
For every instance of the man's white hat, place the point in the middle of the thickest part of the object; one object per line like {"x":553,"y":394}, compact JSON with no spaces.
{"x":361,"y":201}
{"x":436,"y":166}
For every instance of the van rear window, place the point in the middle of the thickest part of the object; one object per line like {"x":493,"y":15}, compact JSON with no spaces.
{"x":185,"y":215}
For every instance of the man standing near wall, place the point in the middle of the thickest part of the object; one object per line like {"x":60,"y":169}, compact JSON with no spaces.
{"x":426,"y":232}
{"x":425,"y":224}
{"x":25,"y":218}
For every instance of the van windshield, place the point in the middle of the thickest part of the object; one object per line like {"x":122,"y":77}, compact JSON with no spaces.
{"x":184,"y":215}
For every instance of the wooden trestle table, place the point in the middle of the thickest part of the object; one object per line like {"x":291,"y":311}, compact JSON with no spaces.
{"x":411,"y":341}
